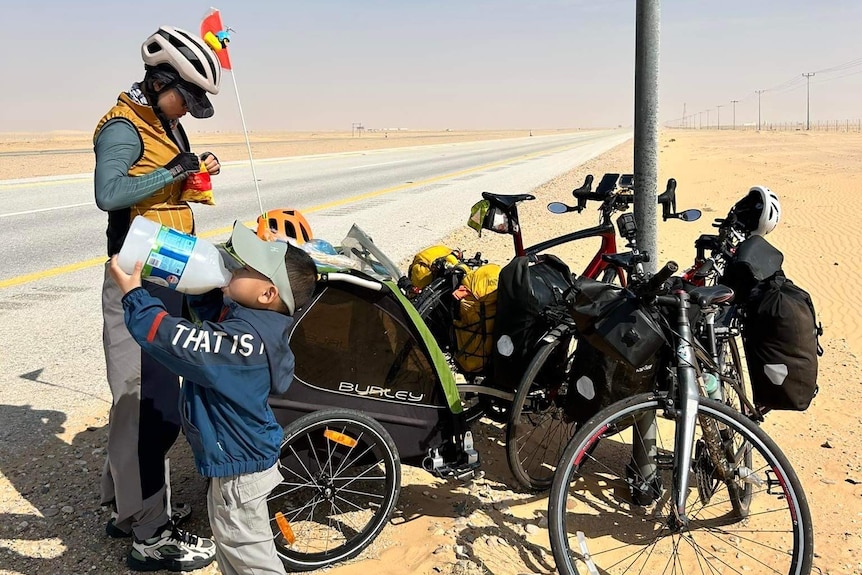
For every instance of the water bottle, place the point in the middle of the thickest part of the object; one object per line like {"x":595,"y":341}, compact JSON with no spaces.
{"x":172,"y":259}
{"x":710,"y":384}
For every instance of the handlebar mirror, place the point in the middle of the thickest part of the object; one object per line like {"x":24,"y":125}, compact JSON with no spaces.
{"x":558,"y":208}
{"x":689,"y":215}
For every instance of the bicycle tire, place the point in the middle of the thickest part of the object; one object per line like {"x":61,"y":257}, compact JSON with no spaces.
{"x":734,"y":396}
{"x":590,"y":494}
{"x":434,"y":311}
{"x":538,"y":429}
{"x":330,"y":460}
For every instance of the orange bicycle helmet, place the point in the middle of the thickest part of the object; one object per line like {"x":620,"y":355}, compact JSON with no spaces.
{"x":281,"y":224}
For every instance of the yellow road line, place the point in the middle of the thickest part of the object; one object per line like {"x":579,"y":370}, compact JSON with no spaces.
{"x":11,"y":282}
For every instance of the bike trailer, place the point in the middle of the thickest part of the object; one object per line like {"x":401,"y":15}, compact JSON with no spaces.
{"x":360,"y":344}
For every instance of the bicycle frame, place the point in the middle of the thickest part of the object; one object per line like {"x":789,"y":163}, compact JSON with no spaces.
{"x":597,"y":265}
{"x":605,"y":230}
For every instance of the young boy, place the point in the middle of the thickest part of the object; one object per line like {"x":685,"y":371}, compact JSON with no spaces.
{"x":229,"y":366}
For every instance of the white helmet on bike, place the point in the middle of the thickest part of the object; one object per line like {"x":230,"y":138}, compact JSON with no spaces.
{"x":759,"y":211}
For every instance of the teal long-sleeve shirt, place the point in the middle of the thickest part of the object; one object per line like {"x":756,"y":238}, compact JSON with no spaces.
{"x":118,"y":146}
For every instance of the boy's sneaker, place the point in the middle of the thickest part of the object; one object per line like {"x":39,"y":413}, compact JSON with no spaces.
{"x":171,"y":549}
{"x":179,"y":514}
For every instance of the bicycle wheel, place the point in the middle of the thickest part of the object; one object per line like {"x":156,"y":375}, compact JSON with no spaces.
{"x":593,"y":521}
{"x":342,"y":476}
{"x":538,"y":428}
{"x":433,"y":306}
{"x":733,"y":395}
{"x":731,"y":366}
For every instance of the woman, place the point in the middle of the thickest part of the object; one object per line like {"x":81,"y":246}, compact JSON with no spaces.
{"x":142,"y":158}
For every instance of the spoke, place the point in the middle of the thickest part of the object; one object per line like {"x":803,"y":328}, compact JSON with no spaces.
{"x":299,"y":510}
{"x":698,"y":548}
{"x":357,"y":458}
{"x":354,"y":492}
{"x":298,"y":459}
{"x":351,"y":478}
{"x":349,"y":502}
{"x":749,"y":540}
{"x":283,"y":493}
{"x":360,"y":476}
{"x":314,"y":452}
{"x":345,"y":517}
{"x":347,"y":455}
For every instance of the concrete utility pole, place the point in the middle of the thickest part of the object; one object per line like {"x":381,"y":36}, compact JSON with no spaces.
{"x":759,"y":92}
{"x":646,"y":126}
{"x":718,"y":120}
{"x":808,"y":99}
{"x":734,"y":112}
{"x":646,"y":181}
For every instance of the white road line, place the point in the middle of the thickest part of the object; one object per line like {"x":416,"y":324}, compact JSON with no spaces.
{"x":375,"y":165}
{"x":46,"y":209}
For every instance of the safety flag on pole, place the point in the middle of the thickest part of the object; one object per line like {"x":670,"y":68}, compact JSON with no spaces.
{"x":216,"y":36}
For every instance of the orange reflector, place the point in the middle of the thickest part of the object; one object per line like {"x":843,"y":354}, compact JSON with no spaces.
{"x":339,"y":438}
{"x":284,"y":527}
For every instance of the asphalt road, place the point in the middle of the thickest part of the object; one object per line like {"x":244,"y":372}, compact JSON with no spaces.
{"x":53,"y":243}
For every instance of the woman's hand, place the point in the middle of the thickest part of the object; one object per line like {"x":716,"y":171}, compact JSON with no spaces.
{"x":211,"y":162}
{"x":124,"y":281}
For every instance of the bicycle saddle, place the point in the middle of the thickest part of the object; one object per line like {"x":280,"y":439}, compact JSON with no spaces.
{"x":506,"y":201}
{"x":709,"y":295}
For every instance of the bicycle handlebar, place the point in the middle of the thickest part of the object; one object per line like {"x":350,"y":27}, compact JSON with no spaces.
{"x":655,"y":282}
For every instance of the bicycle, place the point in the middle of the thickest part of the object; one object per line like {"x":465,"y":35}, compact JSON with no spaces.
{"x":732,"y":498}
{"x":436,"y":305}
{"x":538,"y":424}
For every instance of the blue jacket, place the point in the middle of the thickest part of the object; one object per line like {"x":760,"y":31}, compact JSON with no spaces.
{"x":228,"y":370}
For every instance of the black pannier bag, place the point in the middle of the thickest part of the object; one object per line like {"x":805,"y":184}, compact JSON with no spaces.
{"x":780,"y":335}
{"x":524,"y":289}
{"x":754,"y":261}
{"x":595,"y":381}
{"x":613,"y":321}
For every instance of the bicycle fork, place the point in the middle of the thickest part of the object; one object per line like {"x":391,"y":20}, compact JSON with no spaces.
{"x":689,"y":396}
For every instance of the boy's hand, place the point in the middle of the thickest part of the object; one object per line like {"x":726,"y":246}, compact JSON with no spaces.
{"x":125,"y":281}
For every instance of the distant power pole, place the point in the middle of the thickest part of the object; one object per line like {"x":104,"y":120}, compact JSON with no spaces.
{"x":808,"y":100}
{"x":707,"y":119}
{"x":718,"y":121}
{"x":683,"y":114}
{"x":699,"y":120}
{"x":758,"y":92}
{"x":734,"y":112}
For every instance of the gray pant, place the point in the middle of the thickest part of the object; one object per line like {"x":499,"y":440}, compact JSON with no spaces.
{"x":144,"y":418}
{"x":239,"y":518}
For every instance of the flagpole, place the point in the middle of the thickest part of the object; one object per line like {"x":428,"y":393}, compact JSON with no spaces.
{"x":247,"y":141}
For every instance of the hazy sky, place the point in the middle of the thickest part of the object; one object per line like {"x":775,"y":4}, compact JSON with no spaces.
{"x":461,"y":64}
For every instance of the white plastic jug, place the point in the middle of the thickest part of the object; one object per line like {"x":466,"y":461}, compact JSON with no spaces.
{"x":172,"y":259}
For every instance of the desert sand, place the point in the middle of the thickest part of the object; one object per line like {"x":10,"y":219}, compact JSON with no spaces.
{"x":494,"y":528}
{"x":25,"y":155}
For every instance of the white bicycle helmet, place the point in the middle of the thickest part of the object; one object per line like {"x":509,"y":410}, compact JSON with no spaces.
{"x":188,"y":54}
{"x":759,"y":212}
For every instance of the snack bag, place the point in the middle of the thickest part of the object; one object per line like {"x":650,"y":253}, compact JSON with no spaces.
{"x":198,"y":188}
